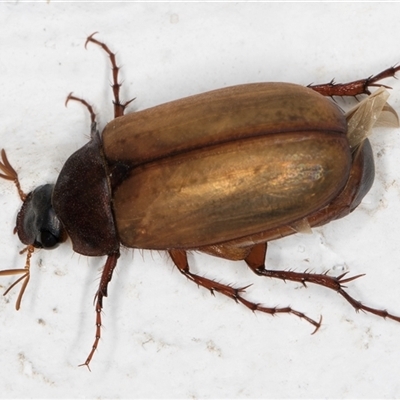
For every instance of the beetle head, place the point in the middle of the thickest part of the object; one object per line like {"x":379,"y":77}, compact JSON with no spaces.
{"x":37,"y":223}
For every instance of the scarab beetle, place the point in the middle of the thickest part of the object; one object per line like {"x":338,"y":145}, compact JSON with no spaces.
{"x":222,"y":172}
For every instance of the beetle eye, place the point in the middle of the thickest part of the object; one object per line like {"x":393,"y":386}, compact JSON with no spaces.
{"x":37,"y":223}
{"x":48,"y":240}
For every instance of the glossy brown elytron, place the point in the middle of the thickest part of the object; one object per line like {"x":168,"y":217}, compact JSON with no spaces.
{"x":222,"y":172}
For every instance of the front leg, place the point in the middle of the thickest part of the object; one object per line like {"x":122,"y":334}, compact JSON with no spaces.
{"x":105,"y":279}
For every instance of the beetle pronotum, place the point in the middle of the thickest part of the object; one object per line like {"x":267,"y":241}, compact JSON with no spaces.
{"x":242,"y":166}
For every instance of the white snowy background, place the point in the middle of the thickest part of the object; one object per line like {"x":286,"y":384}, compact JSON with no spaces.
{"x":163,"y":336}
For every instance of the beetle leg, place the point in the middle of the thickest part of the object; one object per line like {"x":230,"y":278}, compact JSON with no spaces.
{"x":256,"y":261}
{"x":119,"y":107}
{"x":179,"y":257}
{"x":85,"y":103}
{"x":102,"y":292}
{"x":355,"y":88}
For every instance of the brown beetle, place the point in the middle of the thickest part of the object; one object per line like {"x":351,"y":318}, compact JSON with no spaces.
{"x":222,"y":172}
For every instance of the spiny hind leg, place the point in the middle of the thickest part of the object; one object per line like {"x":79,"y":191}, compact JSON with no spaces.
{"x":355,"y":88}
{"x":256,"y":261}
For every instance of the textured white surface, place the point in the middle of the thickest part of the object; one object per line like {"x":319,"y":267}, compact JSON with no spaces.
{"x":164,"y":337}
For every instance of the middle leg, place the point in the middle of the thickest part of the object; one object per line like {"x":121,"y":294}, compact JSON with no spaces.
{"x":179,"y":257}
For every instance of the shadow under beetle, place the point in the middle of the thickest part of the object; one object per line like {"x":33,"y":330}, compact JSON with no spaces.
{"x":223,"y":172}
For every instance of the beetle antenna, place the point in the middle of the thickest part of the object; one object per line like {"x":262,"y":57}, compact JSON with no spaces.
{"x":25,"y":277}
{"x":10,"y":174}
